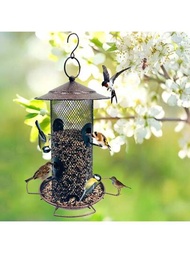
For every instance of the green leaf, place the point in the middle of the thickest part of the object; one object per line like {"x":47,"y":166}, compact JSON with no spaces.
{"x":96,"y":42}
{"x":52,"y":43}
{"x":31,"y":115}
{"x":38,"y":103}
{"x":45,"y":125}
{"x":32,"y":106}
{"x":33,"y":134}
{"x":112,"y":47}
{"x":22,"y":101}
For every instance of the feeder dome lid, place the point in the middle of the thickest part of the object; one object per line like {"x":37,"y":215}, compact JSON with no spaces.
{"x":72,"y":91}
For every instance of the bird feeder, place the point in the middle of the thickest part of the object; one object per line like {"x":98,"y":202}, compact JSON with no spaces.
{"x":71,"y":108}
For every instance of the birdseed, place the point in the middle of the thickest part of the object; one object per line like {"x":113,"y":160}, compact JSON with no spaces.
{"x":75,"y":157}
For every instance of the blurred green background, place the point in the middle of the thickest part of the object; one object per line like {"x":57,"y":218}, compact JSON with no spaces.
{"x":160,"y":181}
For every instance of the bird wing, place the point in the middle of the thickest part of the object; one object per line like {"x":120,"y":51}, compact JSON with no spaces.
{"x":89,"y":187}
{"x":84,"y":192}
{"x":112,"y":79}
{"x":41,"y":136}
{"x":90,"y":184}
{"x":120,"y":185}
{"x":105,"y":74}
{"x":42,"y":171}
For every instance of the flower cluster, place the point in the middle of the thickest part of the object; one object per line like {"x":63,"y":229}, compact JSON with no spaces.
{"x":177,"y":92}
{"x":162,"y":59}
{"x":159,"y":77}
{"x":133,"y":47}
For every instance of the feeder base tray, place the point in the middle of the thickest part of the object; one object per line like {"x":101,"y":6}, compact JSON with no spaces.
{"x":52,"y":196}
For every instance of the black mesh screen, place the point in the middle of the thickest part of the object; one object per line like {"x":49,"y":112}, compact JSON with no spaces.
{"x":74,"y":113}
{"x":71,"y":155}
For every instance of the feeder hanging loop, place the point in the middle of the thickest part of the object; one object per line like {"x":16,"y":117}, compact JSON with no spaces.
{"x":72,"y":56}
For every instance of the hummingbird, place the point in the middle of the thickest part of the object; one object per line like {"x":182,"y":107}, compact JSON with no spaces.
{"x":90,"y":185}
{"x":43,"y":141}
{"x":119,"y":185}
{"x":109,"y":82}
{"x":101,"y":140}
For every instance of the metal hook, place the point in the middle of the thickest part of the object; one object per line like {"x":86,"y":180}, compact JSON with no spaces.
{"x":72,"y":56}
{"x":72,"y":53}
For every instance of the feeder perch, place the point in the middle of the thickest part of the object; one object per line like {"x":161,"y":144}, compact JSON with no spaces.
{"x":71,"y":108}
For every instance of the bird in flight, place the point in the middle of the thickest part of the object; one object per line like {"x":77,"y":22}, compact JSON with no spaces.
{"x":109,"y":82}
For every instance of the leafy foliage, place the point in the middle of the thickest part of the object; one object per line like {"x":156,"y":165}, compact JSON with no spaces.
{"x":36,"y":110}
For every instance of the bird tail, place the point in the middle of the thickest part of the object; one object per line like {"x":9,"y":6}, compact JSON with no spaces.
{"x":82,"y":196}
{"x":113,"y":94}
{"x":42,"y":136}
{"x":27,"y":180}
{"x":107,"y":144}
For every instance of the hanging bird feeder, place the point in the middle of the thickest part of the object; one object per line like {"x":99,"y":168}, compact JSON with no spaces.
{"x":71,"y":107}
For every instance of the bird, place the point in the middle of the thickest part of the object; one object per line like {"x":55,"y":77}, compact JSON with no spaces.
{"x":109,"y":82}
{"x":43,"y":141}
{"x":101,"y":140}
{"x":119,"y":185}
{"x":42,"y":173}
{"x":90,"y":185}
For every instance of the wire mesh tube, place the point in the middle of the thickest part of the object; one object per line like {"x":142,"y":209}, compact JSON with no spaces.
{"x":72,"y":157}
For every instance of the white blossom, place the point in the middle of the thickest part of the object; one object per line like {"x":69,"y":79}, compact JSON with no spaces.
{"x":185,"y":146}
{"x":177,"y":93}
{"x":116,"y":144}
{"x":146,"y":122}
{"x":135,"y":46}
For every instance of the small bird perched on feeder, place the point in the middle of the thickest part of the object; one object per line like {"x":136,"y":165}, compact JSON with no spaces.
{"x":101,"y":140}
{"x":119,"y":185}
{"x":90,"y":185}
{"x":42,"y":173}
{"x":43,"y":141}
{"x":109,"y":82}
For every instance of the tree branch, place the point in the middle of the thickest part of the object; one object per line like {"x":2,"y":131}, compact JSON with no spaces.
{"x":165,"y":72}
{"x":171,"y":119}
{"x":114,"y":118}
{"x":152,"y":78}
{"x":133,"y":117}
